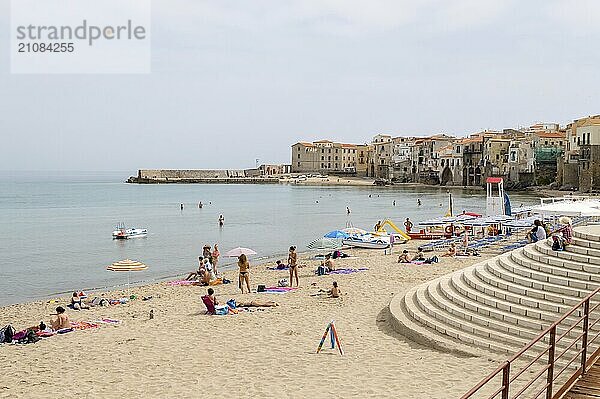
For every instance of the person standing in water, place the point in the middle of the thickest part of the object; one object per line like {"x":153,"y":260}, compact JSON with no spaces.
{"x":181,"y":206}
{"x":221,"y":220}
{"x":418,"y":201}
{"x":293,"y":265}
{"x":348,"y":210}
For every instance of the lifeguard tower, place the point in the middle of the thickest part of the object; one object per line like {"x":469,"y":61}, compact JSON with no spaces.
{"x":495,"y":202}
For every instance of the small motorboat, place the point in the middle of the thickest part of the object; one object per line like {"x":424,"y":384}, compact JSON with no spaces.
{"x":367,"y":241}
{"x":123,"y":233}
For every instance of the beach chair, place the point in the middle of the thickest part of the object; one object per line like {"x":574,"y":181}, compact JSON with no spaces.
{"x":210,"y":306}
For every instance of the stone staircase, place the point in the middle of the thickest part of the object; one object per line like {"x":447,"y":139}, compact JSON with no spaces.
{"x":501,"y":304}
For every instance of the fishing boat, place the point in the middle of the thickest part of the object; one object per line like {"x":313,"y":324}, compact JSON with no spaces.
{"x":367,"y":241}
{"x":123,"y":233}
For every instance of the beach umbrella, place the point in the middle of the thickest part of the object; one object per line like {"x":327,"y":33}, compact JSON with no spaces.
{"x":324,"y":243}
{"x":236,"y":252}
{"x":127,"y":265}
{"x":336,"y":234}
{"x":354,"y":231}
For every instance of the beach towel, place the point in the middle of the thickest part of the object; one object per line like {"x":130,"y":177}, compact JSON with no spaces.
{"x":83,"y":325}
{"x":278,"y":290}
{"x":182,"y":282}
{"x":106,"y":321}
{"x":347,"y":271}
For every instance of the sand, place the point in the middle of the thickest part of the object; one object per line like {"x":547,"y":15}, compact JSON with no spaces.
{"x":185,"y":353}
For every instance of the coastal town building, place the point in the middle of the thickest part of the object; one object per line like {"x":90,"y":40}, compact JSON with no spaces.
{"x":327,"y":157}
{"x":541,"y":154}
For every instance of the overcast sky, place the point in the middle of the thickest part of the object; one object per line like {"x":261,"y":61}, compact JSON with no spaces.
{"x":237,"y":80}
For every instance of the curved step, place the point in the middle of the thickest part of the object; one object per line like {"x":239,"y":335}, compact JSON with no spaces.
{"x":582,"y":242}
{"x":500,"y":277}
{"x":462,"y":294}
{"x":447,"y":319}
{"x":554,"y":268}
{"x":435,"y":328}
{"x":590,"y":232}
{"x":516,"y":322}
{"x":577,"y":261}
{"x":517,"y":295}
{"x":508,"y":271}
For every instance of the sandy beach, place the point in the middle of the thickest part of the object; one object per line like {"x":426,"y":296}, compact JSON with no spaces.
{"x":270,"y":353}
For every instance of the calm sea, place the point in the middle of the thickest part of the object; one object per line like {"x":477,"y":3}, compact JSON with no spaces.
{"x":55,"y":230}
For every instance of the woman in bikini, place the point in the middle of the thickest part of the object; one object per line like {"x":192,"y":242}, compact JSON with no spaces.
{"x":244,"y":266}
{"x":293,"y":264}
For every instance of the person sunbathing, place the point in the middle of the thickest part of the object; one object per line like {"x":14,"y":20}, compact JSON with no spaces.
{"x":77,"y":303}
{"x":195,"y":275}
{"x":329,"y":264}
{"x":451,"y":252}
{"x":404,"y":257}
{"x":203,"y":276}
{"x":61,"y":321}
{"x":335,"y":292}
{"x":420,"y":256}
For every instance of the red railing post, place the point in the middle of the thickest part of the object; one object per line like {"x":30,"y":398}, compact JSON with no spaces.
{"x":584,"y":337}
{"x":505,"y":380}
{"x":550,"y":379}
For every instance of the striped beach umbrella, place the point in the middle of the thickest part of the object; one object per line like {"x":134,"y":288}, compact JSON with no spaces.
{"x":127,"y":265}
{"x":325,"y":243}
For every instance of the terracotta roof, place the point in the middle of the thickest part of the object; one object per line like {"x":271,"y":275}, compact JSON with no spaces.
{"x":551,"y":135}
{"x":304,"y":143}
{"x":469,"y":140}
{"x":348,"y":145}
{"x":323,"y":141}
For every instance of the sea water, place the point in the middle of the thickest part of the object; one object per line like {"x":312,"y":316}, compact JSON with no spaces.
{"x":55,"y":230}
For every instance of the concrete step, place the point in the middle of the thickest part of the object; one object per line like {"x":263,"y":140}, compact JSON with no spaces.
{"x":577,"y":261}
{"x":435,"y":329}
{"x":574,"y":248}
{"x":509,"y":321}
{"x":552,"y":266}
{"x":590,"y":233}
{"x":447,"y":319}
{"x":581,"y":242}
{"x":510,"y":270}
{"x":529,"y":291}
{"x":513,"y":294}
{"x":463,"y":294}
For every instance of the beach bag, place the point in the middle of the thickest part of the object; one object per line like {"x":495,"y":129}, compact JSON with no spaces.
{"x":260,"y":288}
{"x":6,"y":334}
{"x":283,"y":282}
{"x":555,"y":243}
{"x":321,"y":271}
{"x":221,"y":310}
{"x":29,"y":338}
{"x":231,"y":303}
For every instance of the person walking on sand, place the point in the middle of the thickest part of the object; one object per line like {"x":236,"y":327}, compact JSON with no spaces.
{"x":408,"y":225}
{"x":221,"y":220}
{"x":244,"y":266}
{"x":215,"y":258}
{"x":293,"y":265}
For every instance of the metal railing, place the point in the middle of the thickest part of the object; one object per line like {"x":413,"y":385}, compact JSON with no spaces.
{"x":553,"y":342}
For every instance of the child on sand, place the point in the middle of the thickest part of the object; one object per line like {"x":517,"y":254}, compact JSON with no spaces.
{"x":335,"y":292}
{"x":211,"y":295}
{"x":404,"y":257}
{"x":451,"y":251}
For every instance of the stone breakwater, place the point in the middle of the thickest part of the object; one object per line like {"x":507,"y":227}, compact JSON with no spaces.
{"x":165,"y":176}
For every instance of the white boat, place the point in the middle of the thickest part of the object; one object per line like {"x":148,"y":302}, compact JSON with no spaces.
{"x":123,"y":233}
{"x":367,"y":241}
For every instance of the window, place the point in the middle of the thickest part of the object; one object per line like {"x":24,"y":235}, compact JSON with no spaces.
{"x":322,"y":158}
{"x":497,"y":157}
{"x":322,"y":150}
{"x":298,"y":156}
{"x":298,"y":164}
